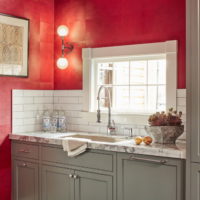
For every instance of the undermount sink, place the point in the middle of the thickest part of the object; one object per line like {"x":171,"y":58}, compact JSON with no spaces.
{"x":98,"y":138}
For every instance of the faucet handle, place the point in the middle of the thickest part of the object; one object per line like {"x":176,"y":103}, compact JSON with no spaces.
{"x":98,"y":116}
{"x":113,"y":122}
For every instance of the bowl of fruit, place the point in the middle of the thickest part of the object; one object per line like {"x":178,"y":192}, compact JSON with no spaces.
{"x":165,"y":127}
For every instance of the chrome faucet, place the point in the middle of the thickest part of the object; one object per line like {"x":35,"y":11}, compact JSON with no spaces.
{"x":111,"y":125}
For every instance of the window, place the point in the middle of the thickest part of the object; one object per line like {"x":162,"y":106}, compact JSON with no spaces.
{"x":136,"y":84}
{"x":141,"y":78}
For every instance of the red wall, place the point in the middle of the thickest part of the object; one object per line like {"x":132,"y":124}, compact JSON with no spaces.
{"x":41,"y":64}
{"x":96,"y":23}
{"x":92,"y":23}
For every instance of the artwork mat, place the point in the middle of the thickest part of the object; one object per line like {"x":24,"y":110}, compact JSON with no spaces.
{"x":21,"y":22}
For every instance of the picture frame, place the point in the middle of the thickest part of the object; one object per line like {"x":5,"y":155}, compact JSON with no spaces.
{"x":14,"y":46}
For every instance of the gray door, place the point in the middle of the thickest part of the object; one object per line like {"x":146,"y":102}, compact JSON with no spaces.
{"x":195,"y":177}
{"x":57,"y":184}
{"x":146,"y":180}
{"x":193,"y":101}
{"x":91,"y":186}
{"x":25,"y":180}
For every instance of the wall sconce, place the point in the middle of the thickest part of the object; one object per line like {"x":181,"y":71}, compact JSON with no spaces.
{"x":62,"y":62}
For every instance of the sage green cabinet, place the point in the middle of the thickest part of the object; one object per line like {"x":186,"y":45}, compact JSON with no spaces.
{"x":195,"y":184}
{"x":45,"y":172}
{"x":25,"y":180}
{"x":64,"y":184}
{"x":56,"y":183}
{"x":92,"y":186}
{"x":146,"y":178}
{"x":194,"y":86}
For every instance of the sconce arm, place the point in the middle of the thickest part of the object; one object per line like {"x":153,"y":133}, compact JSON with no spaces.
{"x":66,"y":46}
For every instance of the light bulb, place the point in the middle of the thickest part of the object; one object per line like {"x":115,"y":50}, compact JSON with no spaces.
{"x":62,"y":30}
{"x":62,"y":63}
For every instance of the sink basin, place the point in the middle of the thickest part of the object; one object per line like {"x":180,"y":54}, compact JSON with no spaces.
{"x":98,"y":138}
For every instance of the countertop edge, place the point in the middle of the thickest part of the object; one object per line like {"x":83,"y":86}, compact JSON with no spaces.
{"x":177,"y":151}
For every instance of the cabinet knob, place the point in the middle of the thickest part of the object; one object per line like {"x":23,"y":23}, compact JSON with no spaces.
{"x":24,"y":165}
{"x":70,"y":175}
{"x":76,"y":176}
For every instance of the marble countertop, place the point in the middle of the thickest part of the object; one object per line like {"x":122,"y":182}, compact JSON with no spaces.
{"x":172,"y":151}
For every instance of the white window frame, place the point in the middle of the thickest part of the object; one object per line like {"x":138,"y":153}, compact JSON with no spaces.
{"x":168,"y":48}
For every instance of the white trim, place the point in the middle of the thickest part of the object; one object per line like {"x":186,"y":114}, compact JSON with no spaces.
{"x":169,"y":48}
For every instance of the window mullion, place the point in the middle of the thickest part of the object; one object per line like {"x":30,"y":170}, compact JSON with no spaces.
{"x":157,"y":88}
{"x":129,"y":91}
{"x":147,"y":92}
{"x":122,"y":87}
{"x":113,"y":103}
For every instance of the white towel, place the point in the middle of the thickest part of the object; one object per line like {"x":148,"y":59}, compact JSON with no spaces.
{"x":74,"y":146}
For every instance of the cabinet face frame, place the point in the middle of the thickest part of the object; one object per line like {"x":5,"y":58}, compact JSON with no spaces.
{"x":20,"y":165}
{"x":178,"y":164}
{"x":110,"y":177}
{"x":107,"y":179}
{"x":56,"y":170}
{"x":193,"y":93}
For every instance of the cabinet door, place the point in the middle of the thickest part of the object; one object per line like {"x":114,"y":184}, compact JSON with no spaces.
{"x":195,"y":184}
{"x":91,"y":186}
{"x":145,"y":178}
{"x":25,"y":180}
{"x":57,"y":183}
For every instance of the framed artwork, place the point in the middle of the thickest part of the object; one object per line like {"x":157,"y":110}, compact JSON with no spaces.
{"x":14,"y":38}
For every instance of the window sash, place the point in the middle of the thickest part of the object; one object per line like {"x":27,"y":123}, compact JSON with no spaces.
{"x":129,"y":84}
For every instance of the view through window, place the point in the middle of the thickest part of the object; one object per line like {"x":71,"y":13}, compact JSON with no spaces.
{"x":136,"y":84}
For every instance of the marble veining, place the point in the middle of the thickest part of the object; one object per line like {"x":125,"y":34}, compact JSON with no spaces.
{"x":173,"y":151}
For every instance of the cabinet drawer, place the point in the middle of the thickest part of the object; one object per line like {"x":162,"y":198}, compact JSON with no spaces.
{"x":92,"y":160}
{"x":25,"y":150}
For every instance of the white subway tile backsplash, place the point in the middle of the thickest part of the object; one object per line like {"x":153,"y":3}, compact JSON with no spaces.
{"x":28,"y":107}
{"x":80,"y":100}
{"x":43,"y":100}
{"x":68,"y":93}
{"x":49,"y":93}
{"x":182,"y":109}
{"x":32,"y":128}
{"x":181,"y":101}
{"x":181,"y":93}
{"x":33,"y":107}
{"x":18,"y":115}
{"x":66,"y":100}
{"x":68,"y":107}
{"x":17,"y":100}
{"x":18,"y":122}
{"x":18,"y":129}
{"x":32,"y":93}
{"x":55,"y":100}
{"x":27,"y":100}
{"x":22,"y":100}
{"x":30,"y":121}
{"x":73,"y":114}
{"x":29,"y":114}
{"x":16,"y":108}
{"x":78,"y":121}
{"x":48,"y":107}
{"x":18,"y":93}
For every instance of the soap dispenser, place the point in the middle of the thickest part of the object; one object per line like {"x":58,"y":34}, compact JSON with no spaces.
{"x":46,"y":121}
{"x":54,"y":121}
{"x":61,"y":121}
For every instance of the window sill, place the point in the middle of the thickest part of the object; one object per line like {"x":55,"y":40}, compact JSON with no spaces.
{"x":119,"y":117}
{"x":119,"y":113}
